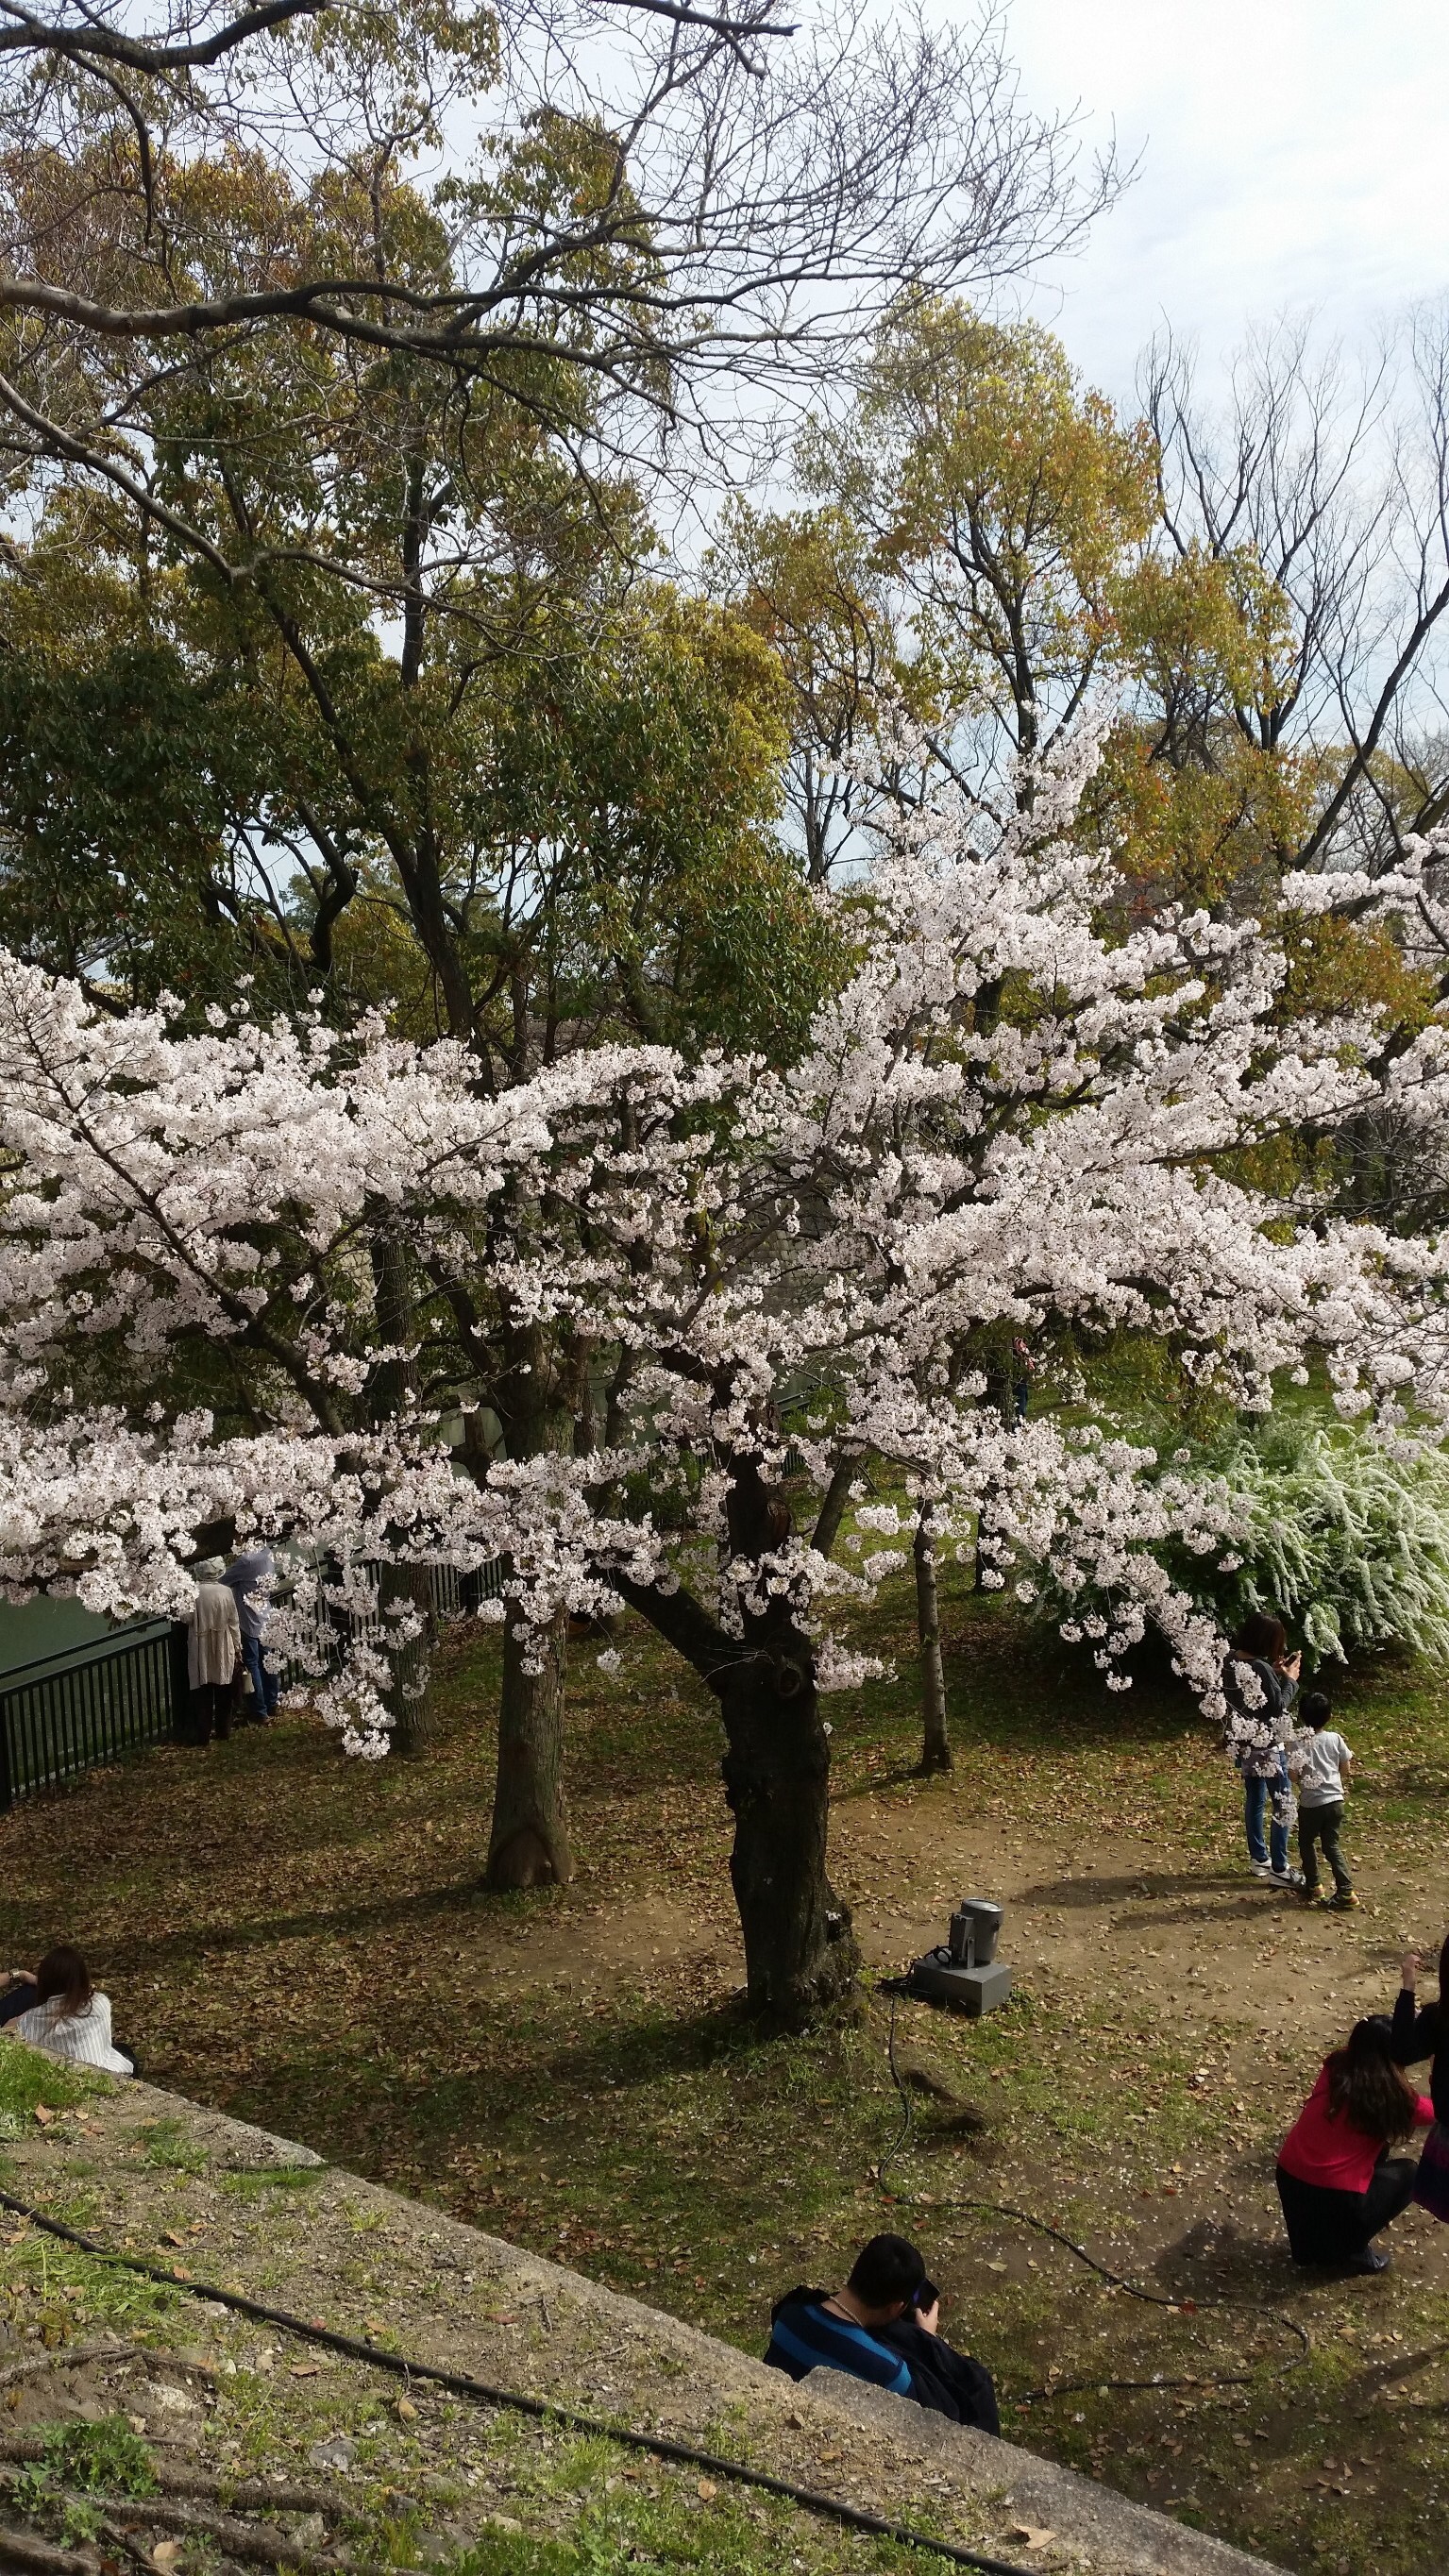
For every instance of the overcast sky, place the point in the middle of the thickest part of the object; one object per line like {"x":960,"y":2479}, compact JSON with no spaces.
{"x":1293,"y":153}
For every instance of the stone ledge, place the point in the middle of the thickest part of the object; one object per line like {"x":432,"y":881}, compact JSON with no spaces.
{"x":478,"y":2304}
{"x":1109,"y":2528}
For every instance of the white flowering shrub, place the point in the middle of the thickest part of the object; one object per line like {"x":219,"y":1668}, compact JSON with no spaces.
{"x":1345,"y":1536}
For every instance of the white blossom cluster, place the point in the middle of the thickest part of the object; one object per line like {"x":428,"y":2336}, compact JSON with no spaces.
{"x":1007,"y":1119}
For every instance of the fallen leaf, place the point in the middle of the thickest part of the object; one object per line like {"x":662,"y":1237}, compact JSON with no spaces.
{"x":706,"y":2489}
{"x":43,"y":2115}
{"x":166,"y":2556}
{"x":1032,"y":2535}
{"x":305,"y":2369}
{"x":407,"y":2410}
{"x":173,"y":2237}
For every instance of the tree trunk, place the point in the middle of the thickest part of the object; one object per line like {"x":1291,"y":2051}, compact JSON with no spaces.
{"x":529,"y":1845}
{"x":833,"y":1508}
{"x":935,"y":1743}
{"x":410,"y":1698}
{"x":409,"y":1693}
{"x":800,"y":1951}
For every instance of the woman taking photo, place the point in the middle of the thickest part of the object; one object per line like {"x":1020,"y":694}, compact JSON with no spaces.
{"x":1417,"y":2034}
{"x":1337,"y":2181}
{"x":1260,"y":1684}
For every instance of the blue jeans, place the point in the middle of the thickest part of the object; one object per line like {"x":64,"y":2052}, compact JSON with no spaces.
{"x":266,"y":1687}
{"x":1256,"y":1794}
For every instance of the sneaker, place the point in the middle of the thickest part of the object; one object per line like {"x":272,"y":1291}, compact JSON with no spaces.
{"x":1286,"y":1877}
{"x":1371,"y":2260}
{"x":1311,"y":1896}
{"x":1261,"y":1868}
{"x":1345,"y":1902}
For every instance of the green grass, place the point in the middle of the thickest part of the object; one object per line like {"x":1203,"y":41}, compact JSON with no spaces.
{"x":171,"y":2148}
{"x":103,"y":2458}
{"x":30,"y":2082}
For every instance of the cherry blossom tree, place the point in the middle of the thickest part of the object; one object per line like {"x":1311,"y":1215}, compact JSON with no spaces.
{"x":1006,"y":1118}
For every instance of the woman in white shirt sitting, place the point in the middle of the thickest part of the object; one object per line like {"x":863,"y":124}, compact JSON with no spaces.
{"x":69,"y":2018}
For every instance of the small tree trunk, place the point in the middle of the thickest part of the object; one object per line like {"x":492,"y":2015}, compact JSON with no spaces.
{"x":409,"y":1693}
{"x":833,"y":1507}
{"x":935,"y":1743}
{"x":800,"y":1951}
{"x":529,"y":1845}
{"x":410,"y":1698}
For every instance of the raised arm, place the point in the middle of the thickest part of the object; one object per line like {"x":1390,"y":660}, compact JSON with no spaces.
{"x":1412,"y":2032}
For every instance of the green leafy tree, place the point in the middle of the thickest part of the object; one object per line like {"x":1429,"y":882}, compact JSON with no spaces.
{"x":1006,"y":500}
{"x":437,"y":742}
{"x":805,"y":582}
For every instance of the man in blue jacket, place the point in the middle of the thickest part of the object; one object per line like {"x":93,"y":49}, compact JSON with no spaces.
{"x":882,"y":2327}
{"x":250,"y":1577}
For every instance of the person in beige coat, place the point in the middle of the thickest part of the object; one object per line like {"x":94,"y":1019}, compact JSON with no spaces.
{"x":213,"y":1653}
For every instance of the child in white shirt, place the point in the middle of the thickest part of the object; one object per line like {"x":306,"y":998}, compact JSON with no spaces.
{"x":1322,"y":1763}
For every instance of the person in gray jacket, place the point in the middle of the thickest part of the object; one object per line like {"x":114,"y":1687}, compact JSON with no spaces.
{"x":1260,"y":1685}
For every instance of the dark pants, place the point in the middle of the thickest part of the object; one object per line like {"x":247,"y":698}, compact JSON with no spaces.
{"x":209,"y":1711}
{"x":1320,"y":1825}
{"x":1334,"y":2226}
{"x":266,"y":1687}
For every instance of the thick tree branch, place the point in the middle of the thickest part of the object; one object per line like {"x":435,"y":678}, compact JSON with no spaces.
{"x":681,"y":1621}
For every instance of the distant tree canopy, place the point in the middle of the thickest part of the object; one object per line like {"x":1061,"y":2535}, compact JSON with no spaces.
{"x":987,"y":543}
{"x":180,"y":806}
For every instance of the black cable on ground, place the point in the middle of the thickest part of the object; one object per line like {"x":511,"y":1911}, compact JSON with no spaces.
{"x":1043,"y":2227}
{"x":459,"y":2384}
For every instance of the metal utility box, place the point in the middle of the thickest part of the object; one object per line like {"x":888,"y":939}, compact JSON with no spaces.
{"x":965,"y":1972}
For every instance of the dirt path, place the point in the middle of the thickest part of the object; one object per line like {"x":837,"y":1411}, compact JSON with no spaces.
{"x":1192,"y":1940}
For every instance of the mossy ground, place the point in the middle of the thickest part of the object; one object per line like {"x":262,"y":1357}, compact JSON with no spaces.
{"x":303,"y":1942}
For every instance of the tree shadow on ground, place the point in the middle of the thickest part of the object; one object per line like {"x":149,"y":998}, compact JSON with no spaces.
{"x":460,"y":1900}
{"x":442,"y":2113}
{"x":1144,"y":1885}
